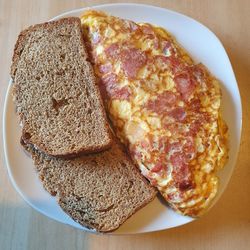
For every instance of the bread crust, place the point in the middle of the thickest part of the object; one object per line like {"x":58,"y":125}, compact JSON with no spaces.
{"x":51,"y":171}
{"x":19,"y":46}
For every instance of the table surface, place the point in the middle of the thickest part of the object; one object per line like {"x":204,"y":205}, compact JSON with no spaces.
{"x":226,"y":226}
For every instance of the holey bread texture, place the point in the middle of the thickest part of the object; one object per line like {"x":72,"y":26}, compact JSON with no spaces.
{"x":55,"y":91}
{"x":99,"y":191}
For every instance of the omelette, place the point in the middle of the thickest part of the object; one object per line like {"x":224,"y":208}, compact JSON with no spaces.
{"x":165,"y":108}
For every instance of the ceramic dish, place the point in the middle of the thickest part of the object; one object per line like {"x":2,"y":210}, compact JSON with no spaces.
{"x":204,"y":47}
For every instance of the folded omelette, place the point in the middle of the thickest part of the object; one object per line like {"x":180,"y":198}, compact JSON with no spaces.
{"x":163,"y":107}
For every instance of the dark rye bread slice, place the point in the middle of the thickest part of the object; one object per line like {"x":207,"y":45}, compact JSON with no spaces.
{"x":55,"y":91}
{"x":99,"y":191}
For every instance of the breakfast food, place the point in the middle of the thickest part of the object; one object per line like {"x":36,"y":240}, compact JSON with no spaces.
{"x":163,"y":107}
{"x":62,"y":115}
{"x":55,"y":92}
{"x":100,"y":191}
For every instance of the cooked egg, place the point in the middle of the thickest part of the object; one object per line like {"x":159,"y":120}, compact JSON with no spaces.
{"x":164,"y":107}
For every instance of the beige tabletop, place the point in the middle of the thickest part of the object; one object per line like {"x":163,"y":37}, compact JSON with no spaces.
{"x":226,"y":226}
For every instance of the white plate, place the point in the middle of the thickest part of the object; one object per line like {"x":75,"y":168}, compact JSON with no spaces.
{"x":204,"y":47}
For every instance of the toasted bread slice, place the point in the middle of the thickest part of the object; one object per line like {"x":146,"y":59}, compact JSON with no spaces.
{"x":99,"y":191}
{"x":55,"y":91}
